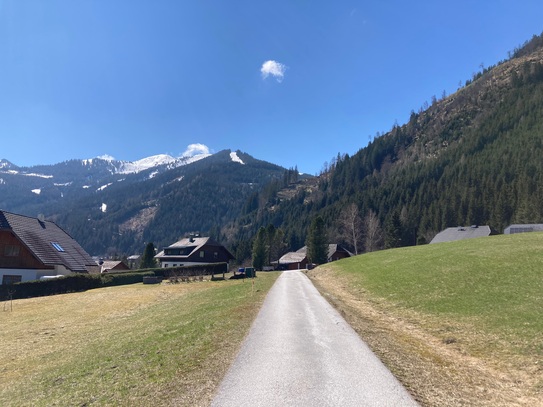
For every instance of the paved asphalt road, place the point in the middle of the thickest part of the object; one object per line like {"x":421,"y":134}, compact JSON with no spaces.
{"x":301,"y":352}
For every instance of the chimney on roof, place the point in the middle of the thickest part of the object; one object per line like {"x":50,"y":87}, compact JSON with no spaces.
{"x":193,"y":236}
{"x":41,"y":219}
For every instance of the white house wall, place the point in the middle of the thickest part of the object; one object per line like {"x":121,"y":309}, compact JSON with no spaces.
{"x":31,"y":274}
{"x":185,"y":264}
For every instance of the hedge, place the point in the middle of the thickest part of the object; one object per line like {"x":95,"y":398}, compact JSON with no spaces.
{"x":69,"y":284}
{"x":191,"y":271}
{"x":81,"y":282}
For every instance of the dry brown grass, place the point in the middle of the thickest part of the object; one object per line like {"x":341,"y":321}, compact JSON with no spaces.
{"x":435,"y":359}
{"x":137,"y":345}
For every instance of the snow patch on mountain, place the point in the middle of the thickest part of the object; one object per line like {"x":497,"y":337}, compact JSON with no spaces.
{"x":103,"y":208}
{"x":4,"y":164}
{"x":36,"y":175}
{"x":36,"y":191}
{"x":235,"y":158}
{"x":25,"y":174}
{"x":104,"y":187}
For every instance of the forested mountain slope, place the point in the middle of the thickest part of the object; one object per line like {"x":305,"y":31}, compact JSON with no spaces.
{"x":199,"y":197}
{"x":473,"y":157}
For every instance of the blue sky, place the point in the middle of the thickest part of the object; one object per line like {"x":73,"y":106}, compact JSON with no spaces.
{"x":134,"y":78}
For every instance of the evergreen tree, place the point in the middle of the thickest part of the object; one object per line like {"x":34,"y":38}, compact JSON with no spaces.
{"x":275,"y":243}
{"x":317,"y":245}
{"x":393,"y":231}
{"x":148,"y":259}
{"x":259,"y":249}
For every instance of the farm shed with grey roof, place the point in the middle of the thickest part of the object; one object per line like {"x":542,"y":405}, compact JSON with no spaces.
{"x":533,"y":227}
{"x":461,"y":233}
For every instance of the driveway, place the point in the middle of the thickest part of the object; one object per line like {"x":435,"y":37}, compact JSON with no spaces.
{"x":301,"y":352}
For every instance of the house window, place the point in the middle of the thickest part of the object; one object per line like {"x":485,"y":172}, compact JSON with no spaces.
{"x":11,"y":251}
{"x":57,"y":246}
{"x":11,"y":279}
{"x":202,"y":254}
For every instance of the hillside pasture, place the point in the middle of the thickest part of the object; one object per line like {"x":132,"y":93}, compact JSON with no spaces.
{"x":460,"y":323}
{"x":136,"y":345}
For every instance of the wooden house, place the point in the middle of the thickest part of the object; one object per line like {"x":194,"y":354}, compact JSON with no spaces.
{"x":32,"y":248}
{"x":193,"y":250}
{"x":298,"y":259}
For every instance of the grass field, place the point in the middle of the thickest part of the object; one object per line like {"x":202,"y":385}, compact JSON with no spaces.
{"x":136,"y":345}
{"x":459,"y":323}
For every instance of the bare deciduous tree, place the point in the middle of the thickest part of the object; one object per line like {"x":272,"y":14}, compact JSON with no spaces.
{"x":373,"y":232}
{"x":350,"y":226}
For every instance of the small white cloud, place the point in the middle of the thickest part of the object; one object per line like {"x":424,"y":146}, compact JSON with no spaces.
{"x":273,"y":68}
{"x":195,"y":149}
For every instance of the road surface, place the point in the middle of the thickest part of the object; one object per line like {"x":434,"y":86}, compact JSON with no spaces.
{"x":301,"y":352}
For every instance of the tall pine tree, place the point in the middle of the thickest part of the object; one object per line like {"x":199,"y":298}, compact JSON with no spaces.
{"x":259,"y":249}
{"x":317,"y":245}
{"x":148,"y":259}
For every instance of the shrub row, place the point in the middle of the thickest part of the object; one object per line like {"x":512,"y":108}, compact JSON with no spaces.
{"x":190,"y":271}
{"x":69,"y":284}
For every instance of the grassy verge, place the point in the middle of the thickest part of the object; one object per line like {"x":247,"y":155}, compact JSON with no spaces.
{"x":459,"y":323}
{"x":138,"y":345}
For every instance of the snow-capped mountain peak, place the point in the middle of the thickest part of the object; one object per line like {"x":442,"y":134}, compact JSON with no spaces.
{"x":194,"y":152}
{"x":128,"y":167}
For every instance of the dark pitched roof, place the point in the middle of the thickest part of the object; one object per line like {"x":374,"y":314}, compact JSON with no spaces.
{"x":332,"y":248}
{"x":48,"y":242}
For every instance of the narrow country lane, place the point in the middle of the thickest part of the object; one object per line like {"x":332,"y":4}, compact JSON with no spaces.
{"x":301,"y":352}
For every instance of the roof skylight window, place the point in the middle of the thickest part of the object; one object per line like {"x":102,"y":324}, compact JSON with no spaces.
{"x":57,"y":246}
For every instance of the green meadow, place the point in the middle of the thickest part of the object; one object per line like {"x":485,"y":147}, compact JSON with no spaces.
{"x":495,"y":283}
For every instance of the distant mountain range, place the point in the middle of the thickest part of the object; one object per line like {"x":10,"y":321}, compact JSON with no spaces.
{"x":114,"y":207}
